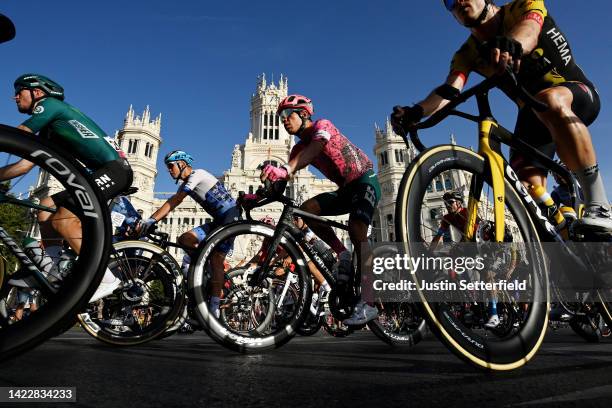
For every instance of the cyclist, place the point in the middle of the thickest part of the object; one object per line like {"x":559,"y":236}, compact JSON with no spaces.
{"x":457,"y":217}
{"x":323,"y":146}
{"x":71,"y":131}
{"x":208,"y":192}
{"x":523,"y":35}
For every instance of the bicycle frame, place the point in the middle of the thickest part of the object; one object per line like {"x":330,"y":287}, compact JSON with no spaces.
{"x":16,"y":249}
{"x":290,"y":210}
{"x":490,"y":137}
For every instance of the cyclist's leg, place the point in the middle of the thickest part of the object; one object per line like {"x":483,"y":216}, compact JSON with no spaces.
{"x":191,"y":239}
{"x":326,"y":204}
{"x":364,"y":195}
{"x":314,"y":271}
{"x":572,"y":107}
{"x":112,"y":178}
{"x":531,"y":130}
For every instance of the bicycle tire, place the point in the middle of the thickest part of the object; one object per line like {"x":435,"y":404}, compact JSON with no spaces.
{"x":605,"y":309}
{"x":504,"y":354}
{"x":397,"y":334}
{"x":198,"y":282}
{"x":129,"y":255}
{"x":336,"y":330}
{"x":58,"y":310}
{"x":582,"y":326}
{"x":311,"y":326}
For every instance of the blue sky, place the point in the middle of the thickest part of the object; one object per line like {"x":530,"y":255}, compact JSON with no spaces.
{"x":197,"y":63}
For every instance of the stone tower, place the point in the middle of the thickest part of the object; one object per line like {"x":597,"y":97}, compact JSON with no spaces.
{"x":140,"y":139}
{"x":392,"y":157}
{"x":267,"y":139}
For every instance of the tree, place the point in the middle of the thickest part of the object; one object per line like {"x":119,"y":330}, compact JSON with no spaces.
{"x":16,"y":221}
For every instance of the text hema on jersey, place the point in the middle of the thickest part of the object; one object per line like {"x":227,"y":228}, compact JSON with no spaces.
{"x":561,"y":44}
{"x":82,"y":129}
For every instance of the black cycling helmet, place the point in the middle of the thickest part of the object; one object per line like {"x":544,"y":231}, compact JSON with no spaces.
{"x":452,"y":195}
{"x":33,"y":81}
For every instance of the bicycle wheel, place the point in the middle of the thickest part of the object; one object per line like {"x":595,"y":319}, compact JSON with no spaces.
{"x":587,"y":327}
{"x":335,"y":327}
{"x":398,"y":324}
{"x":311,"y":325}
{"x":605,"y":308}
{"x":415,"y":225}
{"x":150,"y":302}
{"x":58,"y":305}
{"x":255,"y":317}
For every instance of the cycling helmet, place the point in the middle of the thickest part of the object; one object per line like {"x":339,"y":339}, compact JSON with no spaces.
{"x":33,"y":81}
{"x":298,"y":102}
{"x":452,"y":195}
{"x":177,"y":155}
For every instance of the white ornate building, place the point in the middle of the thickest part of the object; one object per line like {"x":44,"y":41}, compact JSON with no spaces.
{"x":267,"y":141}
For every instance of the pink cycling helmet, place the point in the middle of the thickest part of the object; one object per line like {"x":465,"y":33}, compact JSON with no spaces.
{"x":296,"y":102}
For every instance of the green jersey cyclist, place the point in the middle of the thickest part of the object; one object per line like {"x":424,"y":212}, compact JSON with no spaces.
{"x":70,"y":131}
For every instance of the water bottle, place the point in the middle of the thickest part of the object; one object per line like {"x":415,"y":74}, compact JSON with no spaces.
{"x":35,"y":252}
{"x":66,"y":262}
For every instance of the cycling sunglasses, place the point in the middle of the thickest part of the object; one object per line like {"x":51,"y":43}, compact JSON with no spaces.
{"x":450,"y":4}
{"x":285,"y":113}
{"x":448,"y":203}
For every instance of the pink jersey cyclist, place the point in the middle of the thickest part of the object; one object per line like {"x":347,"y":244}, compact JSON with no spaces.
{"x":323,"y":146}
{"x":340,"y":161}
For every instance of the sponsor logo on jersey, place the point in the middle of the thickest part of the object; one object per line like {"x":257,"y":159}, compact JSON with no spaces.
{"x":38,"y":110}
{"x":561,"y":43}
{"x":82,"y":129}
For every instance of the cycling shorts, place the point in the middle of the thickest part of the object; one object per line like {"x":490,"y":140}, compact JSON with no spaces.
{"x":231,"y":215}
{"x":112,"y":179}
{"x":530,"y":129}
{"x":357,"y":198}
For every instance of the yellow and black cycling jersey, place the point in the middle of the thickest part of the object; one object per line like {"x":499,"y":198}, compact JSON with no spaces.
{"x":550,"y":63}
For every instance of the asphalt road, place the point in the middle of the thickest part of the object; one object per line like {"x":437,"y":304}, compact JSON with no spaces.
{"x":319,"y":371}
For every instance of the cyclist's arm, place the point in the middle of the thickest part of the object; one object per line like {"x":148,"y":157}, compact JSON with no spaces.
{"x":19,"y":168}
{"x":526,"y":32}
{"x":305,"y":156}
{"x":15,"y":170}
{"x":25,"y":128}
{"x":169,"y":205}
{"x":435,"y":102}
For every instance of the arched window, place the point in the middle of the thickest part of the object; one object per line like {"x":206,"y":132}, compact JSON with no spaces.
{"x":133,"y":146}
{"x":447,"y":183}
{"x":438,"y":184}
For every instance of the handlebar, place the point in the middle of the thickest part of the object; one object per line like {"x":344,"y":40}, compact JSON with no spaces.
{"x":268,"y":193}
{"x":480,"y":89}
